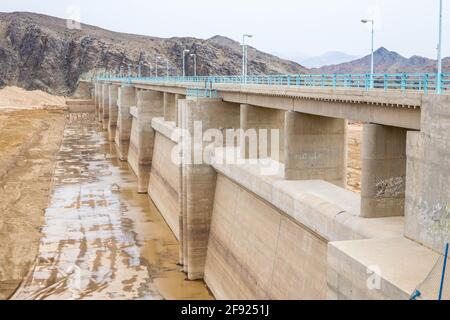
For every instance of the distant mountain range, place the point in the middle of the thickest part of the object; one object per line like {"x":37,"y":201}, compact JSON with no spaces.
{"x":328,"y":58}
{"x":40,"y":52}
{"x":385,"y":61}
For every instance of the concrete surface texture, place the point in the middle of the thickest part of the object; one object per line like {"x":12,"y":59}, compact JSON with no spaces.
{"x":316,"y":148}
{"x":258,"y":124}
{"x":164,"y":186}
{"x":383,"y":171}
{"x":104,"y":110}
{"x":257,"y":252}
{"x":149,"y":105}
{"x":126,"y":100}
{"x":200,"y":178}
{"x":113,"y":112}
{"x":427,"y":178}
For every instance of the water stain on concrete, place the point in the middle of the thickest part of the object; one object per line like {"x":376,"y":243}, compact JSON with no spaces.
{"x":101,"y":239}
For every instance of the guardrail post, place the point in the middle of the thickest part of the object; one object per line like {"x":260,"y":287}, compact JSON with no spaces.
{"x":425,"y":83}
{"x":334,"y":80}
{"x":289,"y":80}
{"x":385,"y":82}
{"x":403,"y":81}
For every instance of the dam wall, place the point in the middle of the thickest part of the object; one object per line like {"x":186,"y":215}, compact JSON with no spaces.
{"x":280,"y":225}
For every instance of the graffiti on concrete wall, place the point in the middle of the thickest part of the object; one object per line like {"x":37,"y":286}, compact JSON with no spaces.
{"x":390,"y":188}
{"x":436,"y":220}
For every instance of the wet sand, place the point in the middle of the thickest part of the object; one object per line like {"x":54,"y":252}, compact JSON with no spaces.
{"x":29,"y":141}
{"x":102,"y":240}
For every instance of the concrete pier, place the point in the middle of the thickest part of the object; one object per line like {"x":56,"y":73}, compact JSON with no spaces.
{"x":315,"y":148}
{"x":259,"y":124}
{"x":200,"y":177}
{"x":170,"y":108}
{"x":149,"y":106}
{"x":104,"y":112}
{"x":427,"y":178}
{"x":126,"y":100}
{"x":113,"y":111}
{"x":383,"y":171}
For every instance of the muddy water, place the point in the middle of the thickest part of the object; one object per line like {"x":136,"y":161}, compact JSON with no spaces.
{"x":102,"y":240}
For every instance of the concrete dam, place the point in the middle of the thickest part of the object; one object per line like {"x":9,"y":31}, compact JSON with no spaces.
{"x":273,"y":220}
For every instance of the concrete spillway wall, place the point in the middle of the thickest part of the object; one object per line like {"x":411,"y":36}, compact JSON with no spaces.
{"x":257,"y":252}
{"x":165,"y":179}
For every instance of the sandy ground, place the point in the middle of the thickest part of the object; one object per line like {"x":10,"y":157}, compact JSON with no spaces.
{"x":29,"y":141}
{"x":354,"y":157}
{"x":18,"y":98}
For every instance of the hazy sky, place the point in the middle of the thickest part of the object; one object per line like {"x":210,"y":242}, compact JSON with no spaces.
{"x":282,"y":26}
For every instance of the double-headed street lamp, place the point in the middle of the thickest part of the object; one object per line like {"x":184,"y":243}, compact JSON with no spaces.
{"x":195,"y":63}
{"x":184,"y":61}
{"x":245,"y":57}
{"x":372,"y":57}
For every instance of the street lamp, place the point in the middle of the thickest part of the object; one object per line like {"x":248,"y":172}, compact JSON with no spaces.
{"x":156,"y":65}
{"x":439,"y":49}
{"x":245,"y":57}
{"x":129,"y":70}
{"x":372,"y":58}
{"x":184,"y":61}
{"x":167,"y":68}
{"x":195,"y":63}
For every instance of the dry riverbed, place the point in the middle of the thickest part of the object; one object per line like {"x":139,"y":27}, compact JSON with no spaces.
{"x":29,"y":141}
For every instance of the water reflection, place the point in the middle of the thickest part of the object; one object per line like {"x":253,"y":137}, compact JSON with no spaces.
{"x":102,"y":240}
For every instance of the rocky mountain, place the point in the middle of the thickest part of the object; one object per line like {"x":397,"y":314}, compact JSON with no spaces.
{"x":40,"y":52}
{"x":385,"y":61}
{"x":328,"y":58}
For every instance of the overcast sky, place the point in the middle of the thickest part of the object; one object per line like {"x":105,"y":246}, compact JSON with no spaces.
{"x":282,"y":26}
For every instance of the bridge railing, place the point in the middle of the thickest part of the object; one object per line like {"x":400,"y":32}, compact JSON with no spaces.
{"x":419,"y":82}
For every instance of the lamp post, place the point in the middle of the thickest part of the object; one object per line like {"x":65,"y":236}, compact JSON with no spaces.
{"x":195,"y":63}
{"x":439,"y":49}
{"x":167,"y":68}
{"x":372,"y":55}
{"x":184,"y":62}
{"x":156,"y":65}
{"x":245,"y":57}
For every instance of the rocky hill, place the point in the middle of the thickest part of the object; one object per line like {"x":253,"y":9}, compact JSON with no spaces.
{"x":385,"y":62}
{"x":40,"y":52}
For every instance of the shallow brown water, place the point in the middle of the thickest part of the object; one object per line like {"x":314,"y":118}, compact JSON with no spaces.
{"x":102,"y":240}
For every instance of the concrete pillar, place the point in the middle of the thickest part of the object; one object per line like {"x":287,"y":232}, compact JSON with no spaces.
{"x":97,"y":98}
{"x":257,"y":124}
{"x":113,"y":111}
{"x":104,"y":114}
{"x":149,"y":105}
{"x":427,"y":214}
{"x":178,"y":97}
{"x":199,"y":179}
{"x":383,"y":171}
{"x":170,"y":110}
{"x":126,"y":100}
{"x":315,"y":148}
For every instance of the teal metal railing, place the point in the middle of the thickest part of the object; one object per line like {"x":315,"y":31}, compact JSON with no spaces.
{"x":419,"y":82}
{"x":202,"y":93}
